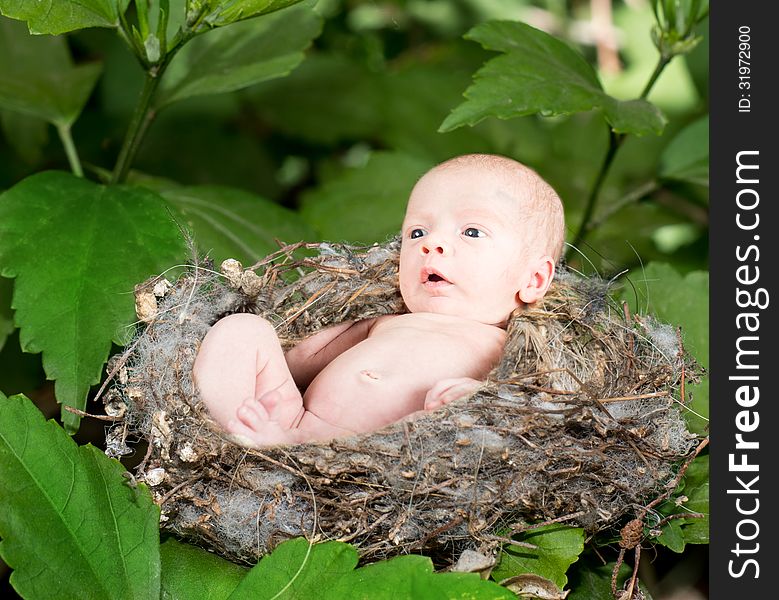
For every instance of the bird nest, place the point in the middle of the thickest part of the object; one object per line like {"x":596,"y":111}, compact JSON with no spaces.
{"x":578,"y":422}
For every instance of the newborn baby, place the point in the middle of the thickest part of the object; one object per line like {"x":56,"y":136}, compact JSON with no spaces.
{"x":481,"y":237}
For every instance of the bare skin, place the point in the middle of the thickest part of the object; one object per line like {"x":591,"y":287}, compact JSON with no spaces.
{"x":465,"y":265}
{"x":374,"y":382}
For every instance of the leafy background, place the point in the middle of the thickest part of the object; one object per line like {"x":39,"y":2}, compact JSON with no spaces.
{"x":284,"y":120}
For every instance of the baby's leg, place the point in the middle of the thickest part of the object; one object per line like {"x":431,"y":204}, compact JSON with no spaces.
{"x":240,"y":361}
{"x":263,"y":432}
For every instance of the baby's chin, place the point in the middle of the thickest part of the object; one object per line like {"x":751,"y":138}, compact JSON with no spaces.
{"x":454,"y":308}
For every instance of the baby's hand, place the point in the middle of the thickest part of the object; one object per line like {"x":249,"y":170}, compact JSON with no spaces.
{"x":448,"y":390}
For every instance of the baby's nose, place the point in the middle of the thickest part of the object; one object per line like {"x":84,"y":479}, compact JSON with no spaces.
{"x":435,"y":246}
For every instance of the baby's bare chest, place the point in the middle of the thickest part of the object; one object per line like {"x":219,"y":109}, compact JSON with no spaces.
{"x":431,"y":347}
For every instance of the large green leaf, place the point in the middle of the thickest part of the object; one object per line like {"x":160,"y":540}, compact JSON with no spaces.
{"x":71,"y":525}
{"x":77,"y":249}
{"x":37,"y":76}
{"x":540,"y":74}
{"x":192,"y":573}
{"x":229,"y":11}
{"x":232,"y":223}
{"x":59,"y":16}
{"x":239,"y":55}
{"x":687,"y":156}
{"x":327,"y":572}
{"x":365,"y":205}
{"x":681,"y":300}
{"x":559,"y":546}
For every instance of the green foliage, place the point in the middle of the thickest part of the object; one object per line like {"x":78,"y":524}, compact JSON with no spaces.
{"x":59,"y":16}
{"x":6,"y":314}
{"x":231,"y":223}
{"x":189,"y":572}
{"x":559,"y":546}
{"x":687,"y":156}
{"x":691,"y":497}
{"x":69,"y":527}
{"x":229,"y":11}
{"x":674,"y":298}
{"x":592,"y":581}
{"x":100,"y":242}
{"x":38,"y":78}
{"x":329,"y":98}
{"x":242,"y":54}
{"x":329,"y":152}
{"x":27,"y":135}
{"x":540,"y":74}
{"x":327,"y":571}
{"x":365,"y":205}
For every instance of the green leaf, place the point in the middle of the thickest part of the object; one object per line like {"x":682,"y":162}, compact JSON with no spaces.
{"x":412,"y":577}
{"x":687,"y":156}
{"x":540,"y":74}
{"x":232,"y":223}
{"x":77,"y":249}
{"x":6,"y":314}
{"x":693,"y":496}
{"x":365,"y":205}
{"x":37,"y":76}
{"x":680,"y":300}
{"x":326,"y":571}
{"x":296,"y":570}
{"x":559,"y":546}
{"x":189,"y":572}
{"x":696,"y":488}
{"x":71,"y":526}
{"x":592,"y":581}
{"x":672,"y":536}
{"x":230,"y":11}
{"x":59,"y":16}
{"x":239,"y":55}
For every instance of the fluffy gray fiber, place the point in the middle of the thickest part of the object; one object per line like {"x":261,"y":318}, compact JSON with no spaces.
{"x":578,"y":423}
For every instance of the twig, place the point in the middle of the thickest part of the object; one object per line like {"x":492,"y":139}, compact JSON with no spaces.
{"x":81,"y":413}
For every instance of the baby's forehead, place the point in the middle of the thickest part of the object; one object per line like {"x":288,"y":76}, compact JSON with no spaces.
{"x":486,"y":197}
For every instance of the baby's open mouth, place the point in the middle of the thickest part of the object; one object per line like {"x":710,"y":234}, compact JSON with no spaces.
{"x":431,"y":276}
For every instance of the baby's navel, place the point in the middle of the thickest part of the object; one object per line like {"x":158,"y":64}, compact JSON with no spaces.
{"x":370,"y":375}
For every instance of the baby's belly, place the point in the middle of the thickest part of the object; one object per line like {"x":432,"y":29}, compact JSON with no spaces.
{"x":378,"y":382}
{"x":363,"y":397}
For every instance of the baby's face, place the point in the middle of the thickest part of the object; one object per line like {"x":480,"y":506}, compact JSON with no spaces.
{"x":465,"y":249}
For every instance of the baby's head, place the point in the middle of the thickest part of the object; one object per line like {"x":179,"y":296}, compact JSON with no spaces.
{"x":481,"y":237}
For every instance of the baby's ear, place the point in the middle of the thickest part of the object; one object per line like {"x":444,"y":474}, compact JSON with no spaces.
{"x":541,"y":273}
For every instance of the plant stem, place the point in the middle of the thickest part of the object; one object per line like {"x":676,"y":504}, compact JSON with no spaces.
{"x":662,"y":62}
{"x":70,"y":150}
{"x":630,"y":198}
{"x":584,"y":227}
{"x":615,"y":141}
{"x":142,"y":117}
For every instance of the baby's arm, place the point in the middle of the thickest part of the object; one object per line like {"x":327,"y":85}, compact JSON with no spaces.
{"x":314,"y":353}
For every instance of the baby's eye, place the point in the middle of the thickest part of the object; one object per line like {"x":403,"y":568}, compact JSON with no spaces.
{"x":416,"y":233}
{"x":473,"y":232}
